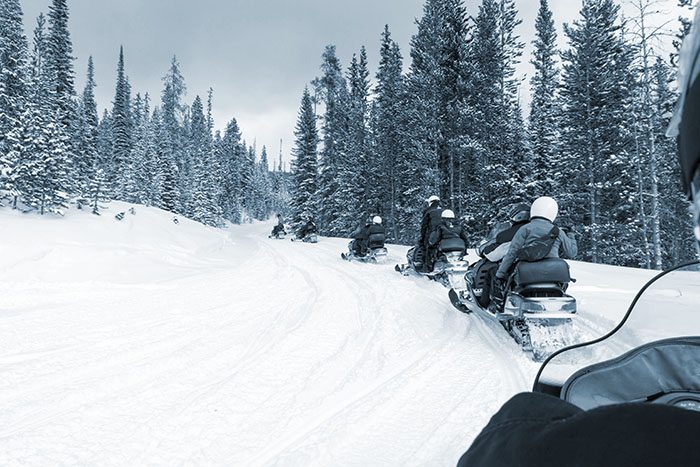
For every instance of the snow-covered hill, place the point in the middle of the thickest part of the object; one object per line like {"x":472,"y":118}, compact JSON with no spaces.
{"x":143,"y":341}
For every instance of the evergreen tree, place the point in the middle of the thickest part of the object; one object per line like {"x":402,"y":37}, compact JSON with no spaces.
{"x":122,"y":128}
{"x":232,"y":152}
{"x":386,"y":134}
{"x":88,"y":135}
{"x":167,"y":175}
{"x":59,"y":67}
{"x":543,"y":127}
{"x":304,"y":165}
{"x":332,"y":86}
{"x":13,"y":75}
{"x":205,"y":170}
{"x":600,"y":191}
{"x":174,"y":116}
{"x":261,"y":189}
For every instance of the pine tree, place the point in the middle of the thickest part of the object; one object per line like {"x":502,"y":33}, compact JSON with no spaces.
{"x":87,"y":136}
{"x":173,"y":115}
{"x":599,"y":169}
{"x":304,"y":166}
{"x":167,"y":175}
{"x":13,"y":75}
{"x":59,"y":67}
{"x":544,"y":112}
{"x":333,"y":87}
{"x":386,"y":134}
{"x":205,"y":170}
{"x":261,"y":189}
{"x":122,"y":128}
{"x":231,"y":155}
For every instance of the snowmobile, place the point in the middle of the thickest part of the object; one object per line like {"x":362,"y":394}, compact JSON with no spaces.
{"x":449,"y":268}
{"x":538,"y":313}
{"x":281,"y":235}
{"x":651,"y":357}
{"x":375,"y":254}
{"x":309,"y":238}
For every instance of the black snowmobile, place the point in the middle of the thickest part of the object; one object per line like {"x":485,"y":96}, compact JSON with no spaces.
{"x":651,"y":357}
{"x":308,"y":233}
{"x":308,"y":238}
{"x":449,"y":268}
{"x":376,"y":253}
{"x":279,"y":234}
{"x":538,"y":313}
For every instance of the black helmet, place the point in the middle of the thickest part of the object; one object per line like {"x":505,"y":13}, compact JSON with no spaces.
{"x":685,"y":124}
{"x":519,"y":212}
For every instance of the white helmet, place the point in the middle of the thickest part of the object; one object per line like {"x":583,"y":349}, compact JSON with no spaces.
{"x":545,"y":207}
{"x":377,"y":220}
{"x":448,"y":214}
{"x":433,"y":199}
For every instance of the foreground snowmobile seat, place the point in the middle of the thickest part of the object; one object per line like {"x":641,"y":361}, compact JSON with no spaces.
{"x":549,"y":270}
{"x":627,"y":378}
{"x":450,"y":245}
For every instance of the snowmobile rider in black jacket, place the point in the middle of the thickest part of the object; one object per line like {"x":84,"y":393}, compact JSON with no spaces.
{"x":308,"y":228}
{"x":538,"y":430}
{"x":542,"y":215}
{"x":447,"y":230}
{"x":370,"y":235}
{"x":431,"y":220}
{"x":279,"y":228}
{"x":497,"y":246}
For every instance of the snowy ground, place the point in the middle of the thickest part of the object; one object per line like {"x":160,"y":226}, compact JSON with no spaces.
{"x":149,"y":342}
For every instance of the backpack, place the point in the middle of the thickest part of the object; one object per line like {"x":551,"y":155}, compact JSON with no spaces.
{"x":539,"y":248}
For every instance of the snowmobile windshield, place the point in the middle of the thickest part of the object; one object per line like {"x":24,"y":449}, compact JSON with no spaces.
{"x":653,"y":352}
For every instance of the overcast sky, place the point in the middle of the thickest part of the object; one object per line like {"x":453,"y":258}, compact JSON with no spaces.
{"x":256,"y":54}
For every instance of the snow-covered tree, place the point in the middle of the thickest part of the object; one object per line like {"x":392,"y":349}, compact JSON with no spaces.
{"x":598,"y":168}
{"x":122,"y":129}
{"x":305,"y":163}
{"x":544,"y":111}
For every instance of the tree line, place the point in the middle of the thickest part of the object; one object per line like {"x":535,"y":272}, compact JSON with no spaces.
{"x":454,"y":126}
{"x":56,"y":151}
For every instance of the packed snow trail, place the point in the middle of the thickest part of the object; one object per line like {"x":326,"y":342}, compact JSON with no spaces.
{"x":146,"y":342}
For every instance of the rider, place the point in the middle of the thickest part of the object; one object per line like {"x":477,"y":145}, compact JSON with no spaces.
{"x":360,"y":236}
{"x":539,"y":430}
{"x":431,"y":220}
{"x":370,"y":235}
{"x":496,"y":247}
{"x":279,"y":228}
{"x":447,"y":230}
{"x":308,"y":228}
{"x":539,"y":232}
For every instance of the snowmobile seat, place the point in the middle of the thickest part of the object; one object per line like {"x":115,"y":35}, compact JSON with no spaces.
{"x":376,"y":240}
{"x":451,"y":245}
{"x":549,"y":270}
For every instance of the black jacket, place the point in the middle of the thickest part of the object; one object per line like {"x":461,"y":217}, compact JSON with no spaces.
{"x":447,"y":230}
{"x":376,"y":236}
{"x":537,"y":430}
{"x":431,"y":220}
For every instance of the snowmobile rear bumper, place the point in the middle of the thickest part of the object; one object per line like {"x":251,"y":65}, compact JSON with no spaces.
{"x":539,"y":308}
